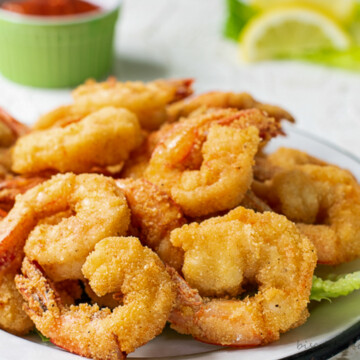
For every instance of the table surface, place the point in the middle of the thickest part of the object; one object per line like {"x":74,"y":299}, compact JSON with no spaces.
{"x":169,"y":38}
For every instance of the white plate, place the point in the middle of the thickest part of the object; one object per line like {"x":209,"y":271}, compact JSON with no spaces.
{"x":329,"y":329}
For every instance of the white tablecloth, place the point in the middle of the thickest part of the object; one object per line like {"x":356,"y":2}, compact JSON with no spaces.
{"x":169,"y":38}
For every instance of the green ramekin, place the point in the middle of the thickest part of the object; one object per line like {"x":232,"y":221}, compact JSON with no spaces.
{"x":55,"y":52}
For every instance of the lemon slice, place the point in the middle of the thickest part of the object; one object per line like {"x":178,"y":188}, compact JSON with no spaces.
{"x":289,"y":32}
{"x":341,"y":10}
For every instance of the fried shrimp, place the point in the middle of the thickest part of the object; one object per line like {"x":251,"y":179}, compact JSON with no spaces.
{"x":323,"y":200}
{"x":218,"y":99}
{"x":116,"y":265}
{"x":263,"y":249}
{"x":61,"y":220}
{"x":69,"y":215}
{"x":146,"y":100}
{"x":153,"y":215}
{"x":104,"y":138}
{"x":205,"y":163}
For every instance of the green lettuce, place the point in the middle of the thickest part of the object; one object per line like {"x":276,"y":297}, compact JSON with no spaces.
{"x":334,"y":286}
{"x":42,"y":337}
{"x":238,"y":15}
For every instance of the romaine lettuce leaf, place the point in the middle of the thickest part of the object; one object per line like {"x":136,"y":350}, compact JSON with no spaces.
{"x":338,"y":286}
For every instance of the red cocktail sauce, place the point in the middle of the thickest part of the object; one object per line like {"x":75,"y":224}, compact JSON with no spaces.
{"x":50,"y":7}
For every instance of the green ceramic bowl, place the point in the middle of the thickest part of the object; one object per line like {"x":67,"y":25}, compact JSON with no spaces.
{"x":57,"y":52}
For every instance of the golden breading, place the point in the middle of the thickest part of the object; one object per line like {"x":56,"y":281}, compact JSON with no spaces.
{"x":116,"y":265}
{"x":103,"y":138}
{"x":224,"y":256}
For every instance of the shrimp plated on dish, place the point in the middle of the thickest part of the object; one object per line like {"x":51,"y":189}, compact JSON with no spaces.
{"x":322,"y":199}
{"x":84,"y":209}
{"x":116,"y":264}
{"x":139,"y":204}
{"x":205,"y":163}
{"x":266,"y":250}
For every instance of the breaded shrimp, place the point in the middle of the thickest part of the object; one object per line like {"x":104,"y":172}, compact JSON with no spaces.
{"x":218,"y":99}
{"x":153,"y":215}
{"x":146,"y":100}
{"x":103,"y":138}
{"x":224,"y":256}
{"x":116,"y":265}
{"x":322,"y":199}
{"x":205,"y":163}
{"x":69,"y":215}
{"x":61,"y":220}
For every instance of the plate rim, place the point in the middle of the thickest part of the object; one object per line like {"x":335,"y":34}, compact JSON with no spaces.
{"x":331,"y":347}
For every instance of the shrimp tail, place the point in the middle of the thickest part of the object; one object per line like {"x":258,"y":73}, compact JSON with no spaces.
{"x":183,"y":88}
{"x":37,"y":290}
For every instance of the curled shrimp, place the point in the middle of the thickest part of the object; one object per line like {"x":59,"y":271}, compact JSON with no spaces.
{"x":153,"y":215}
{"x":116,"y":265}
{"x":146,"y":100}
{"x":265,"y":250}
{"x":322,"y":199}
{"x":84,"y":209}
{"x":218,"y":99}
{"x":60,"y":221}
{"x":78,"y":147}
{"x":205,"y":163}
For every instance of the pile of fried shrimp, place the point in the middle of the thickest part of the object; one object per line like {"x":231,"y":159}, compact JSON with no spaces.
{"x":141,"y":204}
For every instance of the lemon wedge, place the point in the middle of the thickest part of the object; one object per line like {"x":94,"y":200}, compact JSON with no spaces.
{"x":290,"y":31}
{"x":341,"y":10}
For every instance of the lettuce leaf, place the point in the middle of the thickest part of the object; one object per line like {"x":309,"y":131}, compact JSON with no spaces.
{"x":238,"y":15}
{"x":42,"y":337}
{"x":335,"y":286}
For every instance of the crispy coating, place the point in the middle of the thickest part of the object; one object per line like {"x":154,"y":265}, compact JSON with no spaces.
{"x":153,"y":215}
{"x":116,"y":265}
{"x":323,"y":199}
{"x":78,"y":147}
{"x":218,"y":99}
{"x":205,"y":163}
{"x":146,"y":100}
{"x":242,"y":248}
{"x":70,"y":215}
{"x":12,"y":317}
{"x":61,"y":220}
